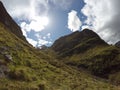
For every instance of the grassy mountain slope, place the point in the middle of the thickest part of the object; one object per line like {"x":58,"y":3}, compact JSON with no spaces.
{"x":33,"y":69}
{"x":23,"y":67}
{"x":88,"y":51}
{"x":7,"y":20}
{"x":77,"y":42}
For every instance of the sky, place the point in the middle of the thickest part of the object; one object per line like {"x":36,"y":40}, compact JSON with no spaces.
{"x":44,"y":21}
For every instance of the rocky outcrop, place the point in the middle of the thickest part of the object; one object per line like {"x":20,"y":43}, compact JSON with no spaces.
{"x":7,"y":20}
{"x":4,"y":52}
{"x":3,"y":71}
{"x":8,"y":58}
{"x":5,"y":58}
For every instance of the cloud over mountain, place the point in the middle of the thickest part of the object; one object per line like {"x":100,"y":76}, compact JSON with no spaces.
{"x":104,"y":17}
{"x":74,"y":22}
{"x":32,"y":15}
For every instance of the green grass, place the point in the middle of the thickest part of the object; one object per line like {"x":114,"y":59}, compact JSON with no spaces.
{"x":101,"y":61}
{"x":32,"y":69}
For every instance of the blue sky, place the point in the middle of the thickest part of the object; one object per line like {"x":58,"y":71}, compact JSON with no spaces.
{"x":44,"y":21}
{"x":59,"y":20}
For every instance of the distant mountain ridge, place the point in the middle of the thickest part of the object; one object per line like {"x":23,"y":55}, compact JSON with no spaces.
{"x":7,"y":20}
{"x":77,"y":42}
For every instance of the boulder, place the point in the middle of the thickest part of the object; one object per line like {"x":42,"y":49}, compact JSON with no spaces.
{"x":8,"y":58}
{"x":3,"y":71}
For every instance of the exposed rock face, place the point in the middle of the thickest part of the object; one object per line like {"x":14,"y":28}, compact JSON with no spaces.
{"x":117,"y":44}
{"x":8,"y":58}
{"x":7,"y":20}
{"x":4,"y":53}
{"x":3,"y":50}
{"x":77,"y":42}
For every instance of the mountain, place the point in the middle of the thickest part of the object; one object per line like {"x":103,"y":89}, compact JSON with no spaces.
{"x":86,"y":50}
{"x":23,"y":67}
{"x":77,"y":42}
{"x":7,"y":20}
{"x":117,"y":44}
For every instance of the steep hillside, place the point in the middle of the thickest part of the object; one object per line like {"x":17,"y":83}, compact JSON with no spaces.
{"x":23,"y":67}
{"x":77,"y":42}
{"x":6,"y":19}
{"x":88,"y":51}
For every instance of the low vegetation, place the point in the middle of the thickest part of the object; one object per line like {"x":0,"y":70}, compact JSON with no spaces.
{"x":91,"y":54}
{"x":33,"y":69}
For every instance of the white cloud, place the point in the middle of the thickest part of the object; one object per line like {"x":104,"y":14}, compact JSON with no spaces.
{"x":26,"y":8}
{"x":48,"y":35}
{"x":86,"y":26}
{"x":43,"y":42}
{"x":32,"y":15}
{"x":37,"y":35}
{"x":23,"y":26}
{"x":103,"y":16}
{"x":33,"y":42}
{"x":74,"y":22}
{"x":17,"y":8}
{"x":37,"y":24}
{"x":39,"y":42}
